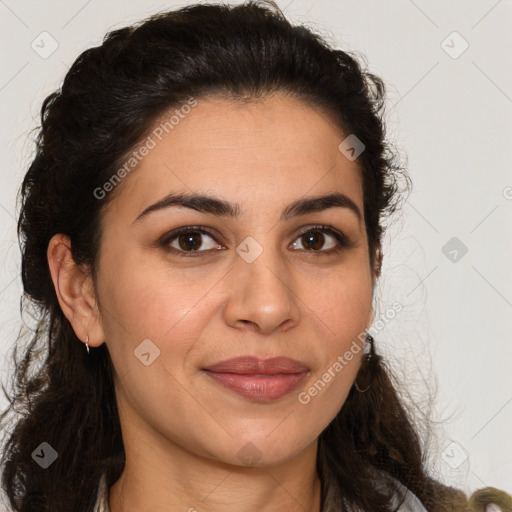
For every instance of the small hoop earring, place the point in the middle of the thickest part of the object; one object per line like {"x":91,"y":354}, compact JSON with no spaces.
{"x":368,"y":358}
{"x":87,"y":344}
{"x":362,"y":390}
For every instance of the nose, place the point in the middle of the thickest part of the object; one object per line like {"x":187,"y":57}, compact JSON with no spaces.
{"x":262,"y":295}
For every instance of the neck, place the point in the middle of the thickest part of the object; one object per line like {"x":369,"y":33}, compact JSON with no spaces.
{"x":202,"y":485}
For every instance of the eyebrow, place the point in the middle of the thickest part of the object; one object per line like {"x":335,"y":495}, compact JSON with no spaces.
{"x":220,"y":207}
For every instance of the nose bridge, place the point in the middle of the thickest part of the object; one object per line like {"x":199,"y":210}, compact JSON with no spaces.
{"x":261,"y":291}
{"x":262,"y":268}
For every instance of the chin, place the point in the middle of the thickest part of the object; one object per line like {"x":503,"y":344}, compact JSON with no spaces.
{"x":263,"y":452}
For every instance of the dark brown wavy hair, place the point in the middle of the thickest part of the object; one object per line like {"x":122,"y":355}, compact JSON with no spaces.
{"x":109,"y":101}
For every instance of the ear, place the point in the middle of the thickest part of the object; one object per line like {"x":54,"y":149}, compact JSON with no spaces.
{"x":75,"y":291}
{"x":378,"y":260}
{"x":370,"y":319}
{"x":377,"y":267}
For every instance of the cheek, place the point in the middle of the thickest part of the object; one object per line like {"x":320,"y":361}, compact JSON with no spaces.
{"x":341,"y":300}
{"x":144,"y":299}
{"x":342,"y":313}
{"x":148,"y":298}
{"x":341,"y":316}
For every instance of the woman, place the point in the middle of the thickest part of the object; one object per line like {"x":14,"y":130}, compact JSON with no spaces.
{"x":201,"y":231}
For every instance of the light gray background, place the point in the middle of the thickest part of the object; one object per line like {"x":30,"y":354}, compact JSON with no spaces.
{"x":451,"y":115}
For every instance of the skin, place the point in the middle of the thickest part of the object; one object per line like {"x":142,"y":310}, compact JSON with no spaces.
{"x":181,"y":430}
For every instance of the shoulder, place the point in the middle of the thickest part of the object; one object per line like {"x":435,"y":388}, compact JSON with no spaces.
{"x":488,"y":499}
{"x":403,"y":498}
{"x":409,"y":502}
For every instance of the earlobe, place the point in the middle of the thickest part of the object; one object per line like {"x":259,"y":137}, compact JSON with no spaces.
{"x":74,"y":290}
{"x":371,"y":317}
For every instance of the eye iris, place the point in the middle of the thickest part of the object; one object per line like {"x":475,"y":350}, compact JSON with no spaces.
{"x":316,"y":238}
{"x":186,"y":241}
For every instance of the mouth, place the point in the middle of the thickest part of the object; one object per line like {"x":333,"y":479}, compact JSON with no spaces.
{"x":256,"y":379}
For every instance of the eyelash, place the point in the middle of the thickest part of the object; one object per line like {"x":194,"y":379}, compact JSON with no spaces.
{"x":341,"y":238}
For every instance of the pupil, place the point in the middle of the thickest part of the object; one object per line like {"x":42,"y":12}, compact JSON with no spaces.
{"x":187,"y":241}
{"x":312,"y":237}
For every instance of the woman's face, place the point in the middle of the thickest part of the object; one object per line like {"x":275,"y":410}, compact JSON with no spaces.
{"x":249,"y":285}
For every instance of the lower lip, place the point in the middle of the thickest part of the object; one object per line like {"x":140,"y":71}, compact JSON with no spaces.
{"x":262,"y":388}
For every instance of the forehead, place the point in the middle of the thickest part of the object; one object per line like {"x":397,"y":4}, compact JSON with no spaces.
{"x":262,"y":153}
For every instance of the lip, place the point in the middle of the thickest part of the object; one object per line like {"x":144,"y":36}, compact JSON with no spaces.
{"x":250,"y":365}
{"x":258,"y":379}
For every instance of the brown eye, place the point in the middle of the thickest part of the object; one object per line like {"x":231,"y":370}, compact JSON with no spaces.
{"x":188,"y":240}
{"x":313,"y":240}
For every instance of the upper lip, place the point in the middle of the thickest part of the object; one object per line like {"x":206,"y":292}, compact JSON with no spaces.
{"x":249,"y":365}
